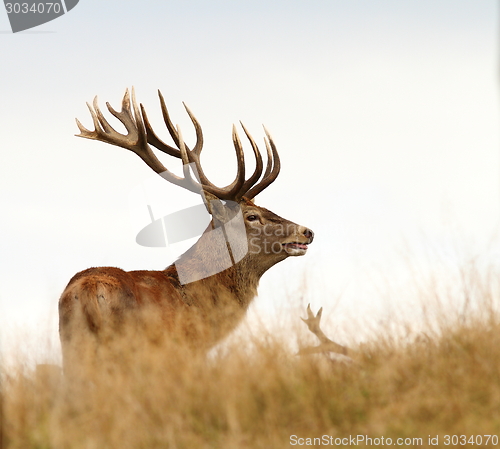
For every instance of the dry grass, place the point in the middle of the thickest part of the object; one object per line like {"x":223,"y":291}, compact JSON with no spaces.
{"x":258,"y":394}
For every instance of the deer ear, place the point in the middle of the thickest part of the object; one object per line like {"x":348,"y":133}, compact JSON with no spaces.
{"x":215,"y":207}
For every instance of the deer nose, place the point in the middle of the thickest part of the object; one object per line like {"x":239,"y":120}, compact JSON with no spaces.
{"x":309,"y":234}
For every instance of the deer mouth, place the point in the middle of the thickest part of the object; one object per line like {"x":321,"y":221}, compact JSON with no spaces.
{"x":295,"y":248}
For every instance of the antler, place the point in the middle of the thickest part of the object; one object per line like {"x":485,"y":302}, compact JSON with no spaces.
{"x":326,"y":345}
{"x":140,"y":135}
{"x":135,"y":140}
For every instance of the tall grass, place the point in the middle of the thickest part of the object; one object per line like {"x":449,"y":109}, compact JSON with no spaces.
{"x":417,"y":390}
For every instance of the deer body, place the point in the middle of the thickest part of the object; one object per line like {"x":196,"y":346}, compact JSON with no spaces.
{"x":98,"y":301}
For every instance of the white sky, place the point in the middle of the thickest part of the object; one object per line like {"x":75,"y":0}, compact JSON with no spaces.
{"x":385,"y":114}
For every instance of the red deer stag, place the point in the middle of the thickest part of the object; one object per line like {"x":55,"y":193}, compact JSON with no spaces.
{"x":204,"y":310}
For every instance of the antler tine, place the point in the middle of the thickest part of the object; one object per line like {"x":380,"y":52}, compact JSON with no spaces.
{"x":199,"y":133}
{"x":258,"y":163}
{"x":154,"y":140}
{"x":182,"y":147}
{"x":233,"y":190}
{"x":139,"y":123}
{"x":313,"y":321}
{"x":269,"y":159}
{"x":309,"y":313}
{"x":125,"y":115}
{"x":270,"y":176}
{"x":185,"y":161}
{"x":86,"y":133}
{"x":194,"y":155}
{"x":168,"y":122}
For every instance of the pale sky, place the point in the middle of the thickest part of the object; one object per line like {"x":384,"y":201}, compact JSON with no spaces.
{"x":385,"y":114}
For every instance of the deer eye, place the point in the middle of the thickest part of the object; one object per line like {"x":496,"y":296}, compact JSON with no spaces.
{"x":252,"y":218}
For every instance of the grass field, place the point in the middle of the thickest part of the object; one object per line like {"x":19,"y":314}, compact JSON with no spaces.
{"x":424,"y":389}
